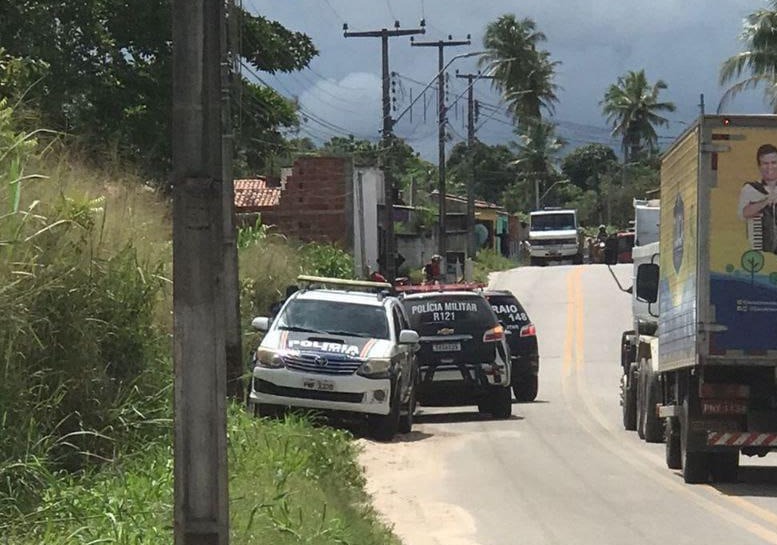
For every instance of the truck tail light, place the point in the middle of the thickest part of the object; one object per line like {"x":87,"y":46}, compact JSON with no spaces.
{"x":528,"y":331}
{"x":495,"y":334}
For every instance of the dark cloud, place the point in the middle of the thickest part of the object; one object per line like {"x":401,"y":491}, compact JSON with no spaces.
{"x":682,"y":42}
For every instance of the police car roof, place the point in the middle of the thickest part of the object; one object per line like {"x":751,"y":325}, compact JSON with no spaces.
{"x":342,"y":296}
{"x":498,"y":292}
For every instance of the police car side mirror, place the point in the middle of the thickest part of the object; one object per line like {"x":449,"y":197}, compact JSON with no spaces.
{"x":261,"y":323}
{"x":408,"y":336}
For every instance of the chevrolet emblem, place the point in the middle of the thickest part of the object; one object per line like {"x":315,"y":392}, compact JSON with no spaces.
{"x":445,"y":331}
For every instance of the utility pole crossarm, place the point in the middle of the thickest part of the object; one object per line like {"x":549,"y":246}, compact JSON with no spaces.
{"x":384,"y":32}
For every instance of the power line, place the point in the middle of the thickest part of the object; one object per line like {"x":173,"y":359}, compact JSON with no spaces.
{"x":334,"y":11}
{"x":388,"y":123}
{"x":303,"y":110}
{"x":441,"y":113}
{"x":391,"y":11}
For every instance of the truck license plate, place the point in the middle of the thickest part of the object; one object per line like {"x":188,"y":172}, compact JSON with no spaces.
{"x":325,"y":385}
{"x":446,"y":347}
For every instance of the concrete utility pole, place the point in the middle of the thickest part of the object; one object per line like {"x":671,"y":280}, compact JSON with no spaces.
{"x":471,"y":79}
{"x":389,"y":246}
{"x":441,"y":45}
{"x":200,"y":471}
{"x":233,"y":331}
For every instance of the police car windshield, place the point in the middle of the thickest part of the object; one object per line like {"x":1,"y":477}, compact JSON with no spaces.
{"x":463,"y":313}
{"x":508,"y":309}
{"x":335,"y":318}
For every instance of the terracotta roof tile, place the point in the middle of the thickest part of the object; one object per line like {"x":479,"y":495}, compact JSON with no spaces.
{"x":254,"y":194}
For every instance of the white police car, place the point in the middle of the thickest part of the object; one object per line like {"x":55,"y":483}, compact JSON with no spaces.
{"x":334,"y":346}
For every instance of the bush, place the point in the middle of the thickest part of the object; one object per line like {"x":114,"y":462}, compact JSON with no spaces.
{"x":488,"y":261}
{"x":321,"y":259}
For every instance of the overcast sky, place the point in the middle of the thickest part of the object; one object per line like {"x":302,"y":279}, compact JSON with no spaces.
{"x":682,"y":42}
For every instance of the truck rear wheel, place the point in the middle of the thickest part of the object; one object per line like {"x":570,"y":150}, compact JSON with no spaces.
{"x":696,"y":465}
{"x":640,"y":388}
{"x":653,"y":428}
{"x":674,"y":457}
{"x":629,"y":399}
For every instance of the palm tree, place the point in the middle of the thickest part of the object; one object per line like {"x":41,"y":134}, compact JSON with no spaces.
{"x":759,"y":58}
{"x":631,"y":105}
{"x":536,"y":153}
{"x":522,"y":73}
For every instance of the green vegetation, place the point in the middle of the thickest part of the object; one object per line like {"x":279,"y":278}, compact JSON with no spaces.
{"x":102,"y":71}
{"x":86,"y":401}
{"x":290,"y":482}
{"x":757,"y":63}
{"x":633,"y":109}
{"x":488,"y":261}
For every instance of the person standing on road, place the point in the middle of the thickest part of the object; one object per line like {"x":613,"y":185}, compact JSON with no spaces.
{"x":757,"y":200}
{"x":432,"y":270}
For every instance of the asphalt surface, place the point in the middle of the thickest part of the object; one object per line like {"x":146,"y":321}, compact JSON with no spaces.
{"x":562,"y":470}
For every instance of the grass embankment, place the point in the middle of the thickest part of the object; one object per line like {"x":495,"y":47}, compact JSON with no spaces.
{"x":289,"y":483}
{"x":85,"y":395}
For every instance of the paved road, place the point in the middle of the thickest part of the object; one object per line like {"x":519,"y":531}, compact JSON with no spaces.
{"x":562,"y":470}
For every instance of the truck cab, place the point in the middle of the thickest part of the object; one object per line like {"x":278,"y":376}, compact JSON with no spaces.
{"x":553,"y":236}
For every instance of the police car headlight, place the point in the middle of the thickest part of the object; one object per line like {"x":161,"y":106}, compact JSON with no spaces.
{"x":375,"y":368}
{"x":269,"y":358}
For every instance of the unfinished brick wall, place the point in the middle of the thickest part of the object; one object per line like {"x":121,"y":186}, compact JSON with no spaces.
{"x":316,"y":204}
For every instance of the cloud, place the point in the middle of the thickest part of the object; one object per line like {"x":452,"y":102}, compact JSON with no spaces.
{"x":353,"y":103}
{"x":680,"y":41}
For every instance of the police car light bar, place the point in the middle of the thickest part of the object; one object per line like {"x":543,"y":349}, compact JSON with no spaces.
{"x":344,"y":282}
{"x":425,"y":288}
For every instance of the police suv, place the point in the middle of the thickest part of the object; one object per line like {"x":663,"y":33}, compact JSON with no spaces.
{"x":464,"y":358}
{"x":339,"y":345}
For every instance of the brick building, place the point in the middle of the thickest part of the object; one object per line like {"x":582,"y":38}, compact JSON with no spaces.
{"x":320,"y":199}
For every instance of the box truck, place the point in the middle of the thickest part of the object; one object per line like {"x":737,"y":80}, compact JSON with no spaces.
{"x":700,"y":365}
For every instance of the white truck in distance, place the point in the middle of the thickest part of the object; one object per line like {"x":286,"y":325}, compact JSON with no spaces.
{"x":553,"y":236}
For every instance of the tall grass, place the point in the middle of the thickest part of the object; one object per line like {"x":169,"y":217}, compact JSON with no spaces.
{"x":85,"y":374}
{"x":82,"y":358}
{"x":290,"y":483}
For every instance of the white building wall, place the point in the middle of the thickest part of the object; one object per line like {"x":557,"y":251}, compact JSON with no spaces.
{"x":367,"y":189}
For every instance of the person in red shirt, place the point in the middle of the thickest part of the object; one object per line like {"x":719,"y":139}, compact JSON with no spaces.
{"x":432,"y":269}
{"x":375,"y":276}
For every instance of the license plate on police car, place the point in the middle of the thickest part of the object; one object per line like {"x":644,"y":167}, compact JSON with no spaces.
{"x":446,"y":347}
{"x":325,"y":385}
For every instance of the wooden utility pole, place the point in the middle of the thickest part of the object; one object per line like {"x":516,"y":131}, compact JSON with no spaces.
{"x":200,"y":470}
{"x":441,"y":119}
{"x":471,"y":78}
{"x":389,"y":247}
